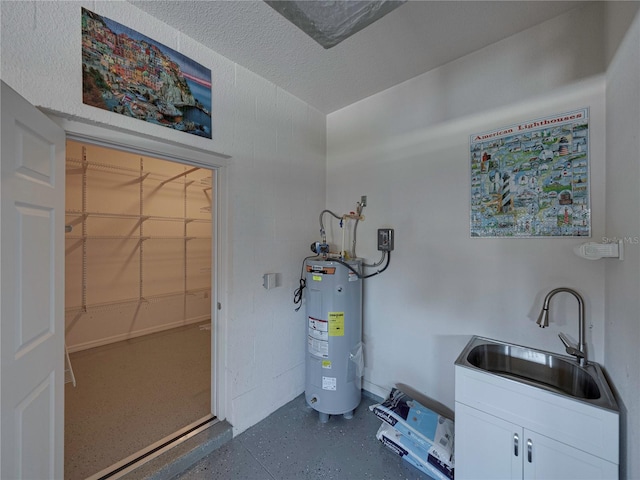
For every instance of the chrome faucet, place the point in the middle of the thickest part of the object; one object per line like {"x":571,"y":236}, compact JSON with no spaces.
{"x":580,"y":350}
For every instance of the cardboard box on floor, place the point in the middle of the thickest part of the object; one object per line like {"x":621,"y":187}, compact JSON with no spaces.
{"x":421,"y":458}
{"x":422,"y":433}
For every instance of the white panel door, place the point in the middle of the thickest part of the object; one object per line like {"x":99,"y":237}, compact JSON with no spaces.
{"x":32,"y":292}
{"x":548,"y":459}
{"x":487,"y":447}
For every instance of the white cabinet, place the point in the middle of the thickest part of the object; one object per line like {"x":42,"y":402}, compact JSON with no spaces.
{"x":490,"y":448}
{"x":508,"y":430}
{"x":552,"y":460}
{"x":486,"y":446}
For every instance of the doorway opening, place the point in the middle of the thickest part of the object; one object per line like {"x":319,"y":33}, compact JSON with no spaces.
{"x":138,"y":296}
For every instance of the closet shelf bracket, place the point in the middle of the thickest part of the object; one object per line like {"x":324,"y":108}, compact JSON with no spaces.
{"x":187,"y":172}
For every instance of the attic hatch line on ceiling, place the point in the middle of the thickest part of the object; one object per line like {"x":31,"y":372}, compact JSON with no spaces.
{"x":331,"y":22}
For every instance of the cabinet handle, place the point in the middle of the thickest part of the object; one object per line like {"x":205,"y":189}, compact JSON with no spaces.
{"x":529,"y":449}
{"x":515,"y":444}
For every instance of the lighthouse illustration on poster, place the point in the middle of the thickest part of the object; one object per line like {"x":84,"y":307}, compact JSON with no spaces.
{"x":532,"y":179}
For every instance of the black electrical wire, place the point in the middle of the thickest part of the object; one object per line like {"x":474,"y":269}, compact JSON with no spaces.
{"x":358,"y":273}
{"x":297,"y":295}
{"x":383,"y":268}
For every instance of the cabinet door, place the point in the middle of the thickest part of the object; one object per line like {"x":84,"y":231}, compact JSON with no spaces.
{"x":549,"y":459}
{"x":486,"y":447}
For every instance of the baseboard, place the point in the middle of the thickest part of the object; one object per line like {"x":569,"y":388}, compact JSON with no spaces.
{"x":374,"y":391}
{"x":372,"y":396}
{"x":137,"y":333}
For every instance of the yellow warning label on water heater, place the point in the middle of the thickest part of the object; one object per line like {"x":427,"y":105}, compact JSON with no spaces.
{"x":317,"y":278}
{"x":326,"y":364}
{"x":336,"y":324}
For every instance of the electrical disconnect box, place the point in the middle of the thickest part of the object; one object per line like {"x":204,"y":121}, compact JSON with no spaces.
{"x":385,"y":239}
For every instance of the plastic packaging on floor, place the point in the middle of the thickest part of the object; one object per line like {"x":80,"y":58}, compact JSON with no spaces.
{"x":419,"y":425}
{"x":415,"y":454}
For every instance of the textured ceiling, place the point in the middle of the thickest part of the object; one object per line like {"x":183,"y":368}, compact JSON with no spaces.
{"x":415,"y":38}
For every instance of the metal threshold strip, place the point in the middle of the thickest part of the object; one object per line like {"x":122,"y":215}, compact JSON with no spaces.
{"x":121,"y":468}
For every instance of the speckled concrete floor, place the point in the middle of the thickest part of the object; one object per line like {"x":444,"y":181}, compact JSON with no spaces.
{"x":292,"y":444}
{"x":133,"y":393}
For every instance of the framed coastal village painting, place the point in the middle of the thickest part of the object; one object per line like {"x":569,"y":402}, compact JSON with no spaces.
{"x":128,"y":73}
{"x":532,"y":179}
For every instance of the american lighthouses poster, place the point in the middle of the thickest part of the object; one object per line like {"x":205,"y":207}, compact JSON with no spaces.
{"x":532,"y":179}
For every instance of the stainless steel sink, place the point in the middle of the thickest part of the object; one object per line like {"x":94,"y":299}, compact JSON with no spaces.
{"x":556,"y":373}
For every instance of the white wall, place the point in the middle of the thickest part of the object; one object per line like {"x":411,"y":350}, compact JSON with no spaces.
{"x":622,"y":339}
{"x":275,"y":183}
{"x":407,"y":149}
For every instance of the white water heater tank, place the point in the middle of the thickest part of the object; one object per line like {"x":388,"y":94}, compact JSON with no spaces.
{"x":334,"y":359}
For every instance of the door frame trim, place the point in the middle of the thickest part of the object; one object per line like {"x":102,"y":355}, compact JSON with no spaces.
{"x":119,"y":139}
